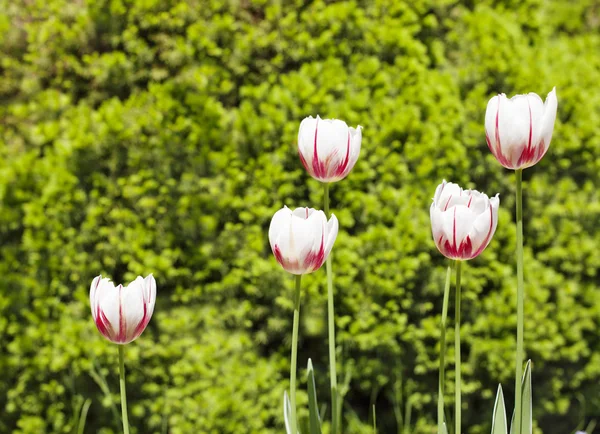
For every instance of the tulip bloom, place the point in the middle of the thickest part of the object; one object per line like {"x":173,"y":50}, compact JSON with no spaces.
{"x":518,"y":130}
{"x":301,"y":240}
{"x":121,"y":313}
{"x":462,"y":221}
{"x":328,"y":148}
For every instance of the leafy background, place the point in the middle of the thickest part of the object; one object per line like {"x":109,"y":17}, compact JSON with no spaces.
{"x":159,"y":136}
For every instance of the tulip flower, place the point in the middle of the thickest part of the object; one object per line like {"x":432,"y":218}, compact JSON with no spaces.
{"x":302,"y":239}
{"x":462,"y":221}
{"x":518,"y":130}
{"x":121,"y":313}
{"x":328,"y":148}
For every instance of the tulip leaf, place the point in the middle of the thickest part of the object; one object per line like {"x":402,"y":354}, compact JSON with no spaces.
{"x":443,"y":429}
{"x":499,"y":422}
{"x":526,"y":405}
{"x":313,"y":409}
{"x":287,"y":412}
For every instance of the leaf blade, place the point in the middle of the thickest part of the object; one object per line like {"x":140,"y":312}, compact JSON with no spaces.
{"x":499,"y":422}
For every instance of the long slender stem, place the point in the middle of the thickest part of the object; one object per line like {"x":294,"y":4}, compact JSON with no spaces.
{"x":520,"y":301}
{"x":294,"y":421}
{"x":457,"y":394}
{"x":335,"y":407}
{"x":443,"y":350}
{"x":123,"y":392}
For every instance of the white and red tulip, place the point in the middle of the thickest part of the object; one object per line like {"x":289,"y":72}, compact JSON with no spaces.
{"x":121,"y":313}
{"x":328,"y":148}
{"x":519,"y":130}
{"x":302,"y":239}
{"x":463,"y":222}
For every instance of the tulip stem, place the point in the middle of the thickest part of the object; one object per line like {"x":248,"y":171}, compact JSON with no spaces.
{"x":123,"y":392}
{"x":335,"y":406}
{"x":520,"y":301}
{"x":443,"y":351}
{"x":294,"y":422}
{"x":457,"y":380}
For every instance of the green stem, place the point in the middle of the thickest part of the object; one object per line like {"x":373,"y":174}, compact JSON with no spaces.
{"x":335,"y":407}
{"x":520,"y":301}
{"x":457,"y":394}
{"x":294,"y":422}
{"x":443,"y":350}
{"x":123,"y":392}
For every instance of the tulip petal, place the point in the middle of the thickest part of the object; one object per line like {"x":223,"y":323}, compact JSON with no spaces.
{"x":332,"y":231}
{"x":134,"y":309}
{"x":109,"y":308}
{"x":332,"y":141}
{"x":306,"y":138}
{"x":548,"y":120}
{"x":437,"y":224}
{"x":485,"y":226}
{"x":310,"y":240}
{"x":94,"y":295}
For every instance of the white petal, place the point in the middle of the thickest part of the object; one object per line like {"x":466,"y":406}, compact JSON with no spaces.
{"x":536,"y":105}
{"x":549,"y":118}
{"x":485,"y":225}
{"x":303,"y":213}
{"x":306,"y":137}
{"x":477,"y":201}
{"x":94,"y":295}
{"x":109,"y":303}
{"x":457,"y":223}
{"x":437,"y":223}
{"x":490,"y":119}
{"x":132,"y":306}
{"x":444,"y":194}
{"x":308,"y":234}
{"x":331,"y":234}
{"x":150,"y":291}
{"x":332,"y":141}
{"x":513,"y":126}
{"x":355,"y":145}
{"x":279,"y":227}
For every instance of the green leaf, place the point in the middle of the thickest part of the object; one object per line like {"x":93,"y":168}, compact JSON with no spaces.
{"x":287,"y":413}
{"x":526,"y":404}
{"x":499,"y":422}
{"x":313,"y":409}
{"x":374,"y":420}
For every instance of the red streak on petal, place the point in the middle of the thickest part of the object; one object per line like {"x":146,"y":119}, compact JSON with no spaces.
{"x":314,"y":260}
{"x":103,"y":325}
{"x":529,"y":152}
{"x":143,"y":323}
{"x":448,"y":203}
{"x":278,"y":255}
{"x":454,"y":230}
{"x":498,"y":149}
{"x":489,"y":235}
{"x":469,"y":204}
{"x":304,"y":163}
{"x":318,"y":167}
{"x":340,"y":171}
{"x":122,"y":321}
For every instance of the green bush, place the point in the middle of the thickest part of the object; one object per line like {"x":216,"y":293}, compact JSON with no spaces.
{"x":159,"y":136}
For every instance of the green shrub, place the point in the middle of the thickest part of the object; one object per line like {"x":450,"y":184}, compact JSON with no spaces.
{"x":144,"y":136}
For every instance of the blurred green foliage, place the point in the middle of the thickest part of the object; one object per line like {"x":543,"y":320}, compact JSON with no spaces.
{"x":159,"y":136}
